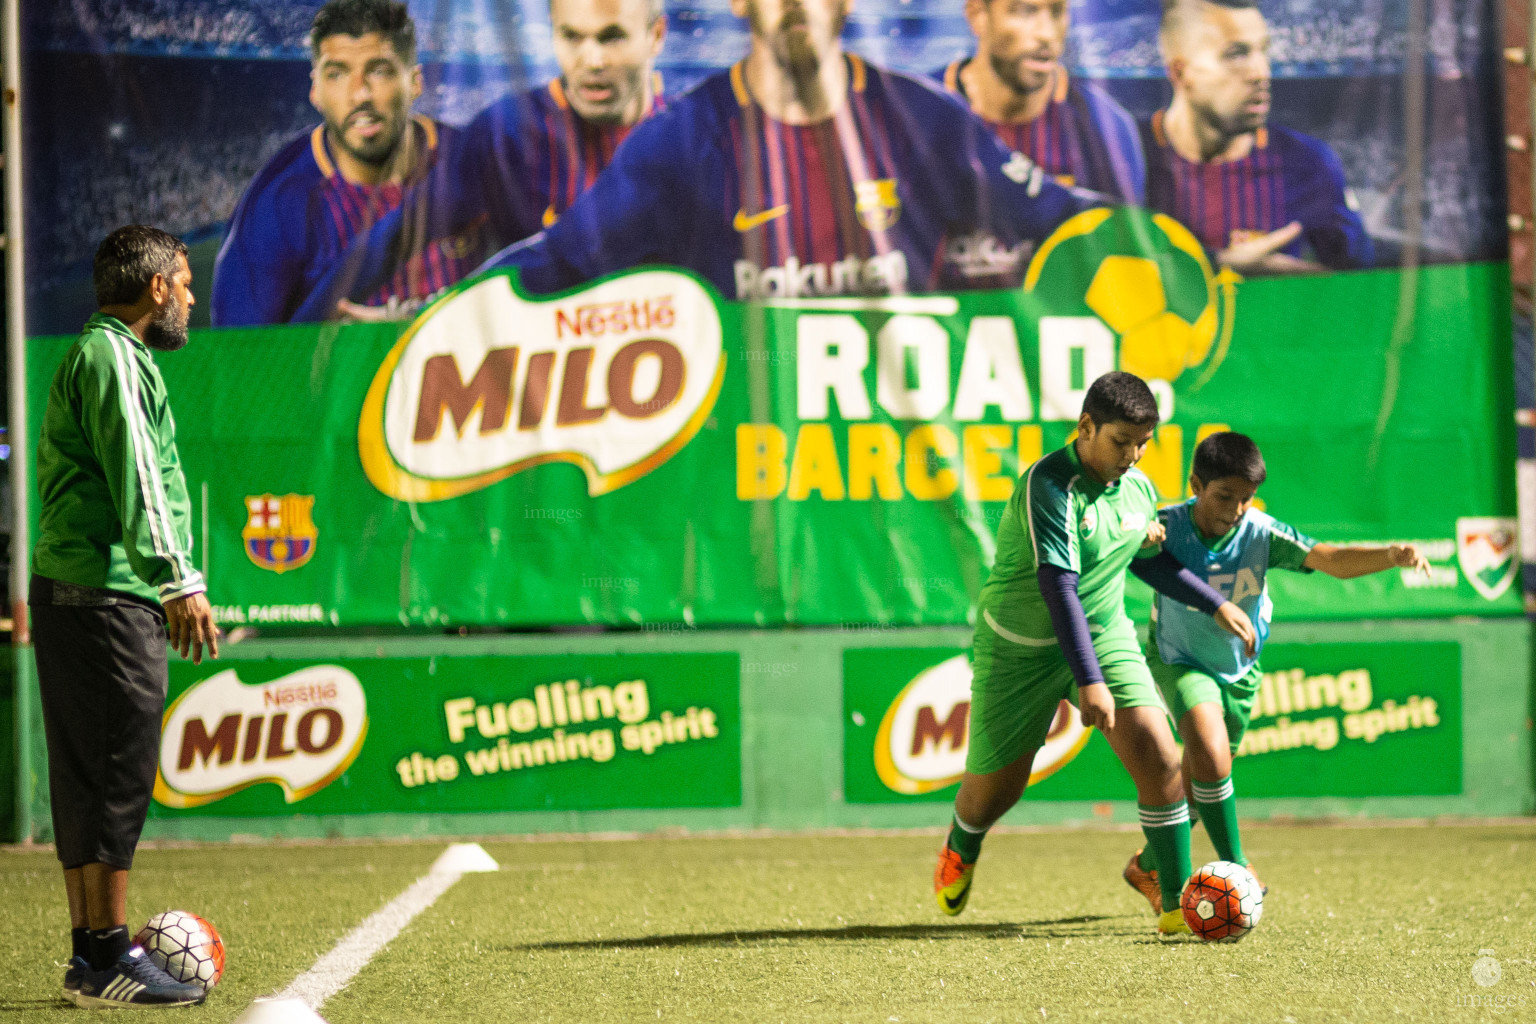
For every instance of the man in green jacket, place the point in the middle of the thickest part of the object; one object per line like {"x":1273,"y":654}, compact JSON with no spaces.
{"x":111,"y":572}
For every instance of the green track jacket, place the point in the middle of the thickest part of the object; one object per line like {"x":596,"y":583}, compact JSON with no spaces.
{"x":115,"y":512}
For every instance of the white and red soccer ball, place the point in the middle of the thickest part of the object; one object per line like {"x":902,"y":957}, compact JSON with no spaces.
{"x":1222,"y":901}
{"x":184,"y":946}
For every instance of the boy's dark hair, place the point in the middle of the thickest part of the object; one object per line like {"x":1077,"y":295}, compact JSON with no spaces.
{"x":128,"y":260}
{"x":1229,"y":454}
{"x":1120,"y":398}
{"x":389,"y":18}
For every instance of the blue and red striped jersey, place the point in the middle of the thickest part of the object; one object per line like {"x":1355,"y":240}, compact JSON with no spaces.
{"x":1286,"y":176}
{"x":298,"y":217}
{"x":523,"y":161}
{"x":1082,"y":138}
{"x":530,"y":156}
{"x":862,"y":203}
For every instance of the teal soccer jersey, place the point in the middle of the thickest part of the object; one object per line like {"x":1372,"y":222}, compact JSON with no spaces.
{"x":1060,"y":515}
{"x":1237,"y":565}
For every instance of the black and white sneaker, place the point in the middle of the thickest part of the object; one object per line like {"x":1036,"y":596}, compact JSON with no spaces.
{"x":74,"y":973}
{"x":135,"y":981}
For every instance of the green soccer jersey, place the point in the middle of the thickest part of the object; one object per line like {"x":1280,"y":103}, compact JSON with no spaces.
{"x":1060,"y":515}
{"x":114,"y":509}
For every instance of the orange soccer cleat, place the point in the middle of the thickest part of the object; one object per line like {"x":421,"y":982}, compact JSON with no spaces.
{"x":952,"y":881}
{"x":1144,"y":882}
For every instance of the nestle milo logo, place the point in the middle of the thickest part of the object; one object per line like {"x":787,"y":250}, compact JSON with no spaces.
{"x":300,"y":732}
{"x":921,"y":744}
{"x":616,"y":379}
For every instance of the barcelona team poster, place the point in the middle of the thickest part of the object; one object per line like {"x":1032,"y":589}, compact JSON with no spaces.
{"x":750,"y":313}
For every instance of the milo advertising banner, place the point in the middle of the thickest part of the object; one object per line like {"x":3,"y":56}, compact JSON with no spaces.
{"x":1359,"y":720}
{"x":520,"y":314}
{"x":452,"y":734}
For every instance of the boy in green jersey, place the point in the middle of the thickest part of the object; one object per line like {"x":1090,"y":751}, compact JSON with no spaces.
{"x":1209,"y":680}
{"x":1052,"y":624}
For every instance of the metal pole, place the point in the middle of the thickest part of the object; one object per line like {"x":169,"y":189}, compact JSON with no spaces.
{"x":19,"y":434}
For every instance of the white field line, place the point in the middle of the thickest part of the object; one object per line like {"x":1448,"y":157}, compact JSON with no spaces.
{"x":335,"y":970}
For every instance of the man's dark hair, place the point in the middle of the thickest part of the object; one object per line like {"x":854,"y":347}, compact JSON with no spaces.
{"x":1120,"y":398}
{"x":128,"y":260}
{"x":1229,"y":454}
{"x":389,"y":18}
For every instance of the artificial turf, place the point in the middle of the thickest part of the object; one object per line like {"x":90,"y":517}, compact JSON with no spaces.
{"x":1362,"y":924}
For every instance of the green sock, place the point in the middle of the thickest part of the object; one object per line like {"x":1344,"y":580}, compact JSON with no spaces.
{"x":1218,"y":809}
{"x":966,"y":840}
{"x":1147,"y":861}
{"x":1167,"y":832}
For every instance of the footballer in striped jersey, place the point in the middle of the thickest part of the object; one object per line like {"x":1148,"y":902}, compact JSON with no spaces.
{"x":323,"y":189}
{"x":1072,"y":129}
{"x":801,"y":171}
{"x":1264,"y":198}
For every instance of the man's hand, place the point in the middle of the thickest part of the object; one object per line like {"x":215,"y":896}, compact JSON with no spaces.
{"x":189,"y":620}
{"x":1097,"y":705}
{"x":1408,"y":556}
{"x":1262,"y":255}
{"x":351,"y":312}
{"x":1156,"y":534}
{"x":1236,"y":621}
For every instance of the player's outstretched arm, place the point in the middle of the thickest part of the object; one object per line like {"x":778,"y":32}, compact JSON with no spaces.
{"x":1168,"y":576}
{"x":1347,"y":563}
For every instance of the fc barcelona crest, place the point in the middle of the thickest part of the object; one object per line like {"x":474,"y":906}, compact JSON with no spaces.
{"x":1486,"y":551}
{"x":280,"y":532}
{"x":877,"y":203}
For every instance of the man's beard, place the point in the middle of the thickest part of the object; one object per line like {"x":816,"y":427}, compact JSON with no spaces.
{"x":1007,"y":69}
{"x":1230,"y":126}
{"x":797,"y":52}
{"x":377,"y":151}
{"x":167,"y":329}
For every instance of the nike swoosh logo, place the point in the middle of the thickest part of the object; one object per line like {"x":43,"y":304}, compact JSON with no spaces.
{"x":953,"y":903}
{"x":744,"y":223}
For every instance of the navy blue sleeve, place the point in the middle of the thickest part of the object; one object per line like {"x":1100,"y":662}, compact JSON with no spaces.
{"x":1059,"y":588}
{"x":1326,"y":206}
{"x":1122,"y":142}
{"x":258,"y":278}
{"x":1168,"y":576}
{"x":1016,"y":200}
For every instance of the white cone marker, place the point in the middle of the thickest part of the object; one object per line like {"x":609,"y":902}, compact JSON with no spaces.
{"x":279,"y":1011}
{"x":464,"y":859}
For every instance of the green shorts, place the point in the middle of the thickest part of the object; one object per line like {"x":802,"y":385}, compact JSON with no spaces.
{"x":1016,"y":690}
{"x":1184,"y":687}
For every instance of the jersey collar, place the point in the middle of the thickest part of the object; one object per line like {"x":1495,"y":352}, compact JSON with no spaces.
{"x":1085,"y":480}
{"x":116,"y":326}
{"x":320,"y":144}
{"x":1218,"y":545}
{"x":858,"y":78}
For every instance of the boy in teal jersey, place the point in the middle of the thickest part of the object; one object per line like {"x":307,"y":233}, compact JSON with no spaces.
{"x":1052,"y":624}
{"x":1208,"y":680}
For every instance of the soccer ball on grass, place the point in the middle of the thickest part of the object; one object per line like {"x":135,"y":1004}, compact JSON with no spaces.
{"x":1222,"y":902}
{"x":184,"y":946}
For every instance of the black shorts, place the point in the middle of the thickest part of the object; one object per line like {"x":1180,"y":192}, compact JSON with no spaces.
{"x":101,"y":666}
